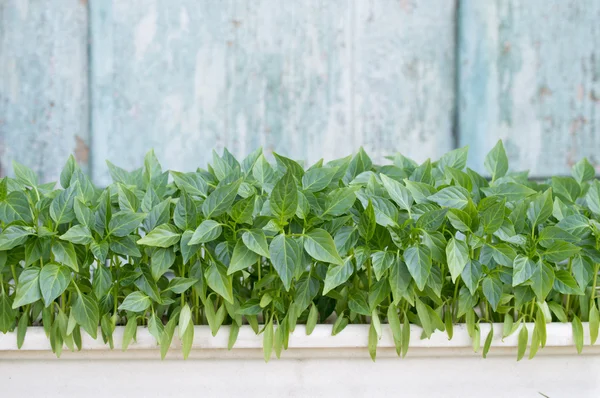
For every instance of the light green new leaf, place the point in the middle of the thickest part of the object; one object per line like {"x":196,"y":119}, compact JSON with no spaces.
{"x":540,"y":208}
{"x":320,"y":245}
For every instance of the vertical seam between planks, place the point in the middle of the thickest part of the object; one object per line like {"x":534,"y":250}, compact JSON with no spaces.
{"x":456,"y":108}
{"x":352,"y":46}
{"x":90,"y":107}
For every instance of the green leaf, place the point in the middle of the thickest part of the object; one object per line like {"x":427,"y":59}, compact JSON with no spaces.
{"x":268,"y":340}
{"x":218,"y":280}
{"x":185,"y":213}
{"x":221,"y":199}
{"x":418,"y":261}
{"x":124,"y":223}
{"x":7,"y":314}
{"x":453,"y":196}
{"x":398,"y":192}
{"x":338,"y":274}
{"x":316,"y":180}
{"x":125,"y":246}
{"x":127,"y":199}
{"x":523,"y":269}
{"x":135,"y":302}
{"x":496,"y":161}
{"x":179,"y":285}
{"x":164,"y":235}
{"x":320,"y":245}
{"x":564,"y":283}
{"x":162,"y":259}
{"x":457,"y":255}
{"x":307,"y":288}
{"x":285,"y":255}
{"x":577,"y":333}
{"x":242,"y":258}
{"x":522,"y":342}
{"x":492,"y":290}
{"x":79,"y":234}
{"x":471,"y":275}
{"x":339,"y":201}
{"x":100,"y":250}
{"x":256,"y":241}
{"x":488,"y":341}
{"x":511,"y":191}
{"x":54,"y":280}
{"x":372,"y":344}
{"x":208,"y":231}
{"x":583,"y":171}
{"x":13,"y":236}
{"x":64,"y":253}
{"x":540,"y":208}
{"x":492,"y":217}
{"x":583,"y":271}
{"x":192,"y":183}
{"x":25,"y":175}
{"x":85,"y":312}
{"x":15,"y":208}
{"x":594,"y":320}
{"x":382,"y":261}
{"x":560,"y":251}
{"x":130,"y":332}
{"x":367,"y":222}
{"x":284,"y":197}
{"x":542,"y":280}
{"x":61,"y":208}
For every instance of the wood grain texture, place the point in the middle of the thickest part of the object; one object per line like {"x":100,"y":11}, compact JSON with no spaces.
{"x":403,"y":83}
{"x":308,"y":79}
{"x":530,"y":75}
{"x":43,"y":85}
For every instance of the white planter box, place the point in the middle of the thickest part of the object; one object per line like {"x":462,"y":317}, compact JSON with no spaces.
{"x":315,"y":365}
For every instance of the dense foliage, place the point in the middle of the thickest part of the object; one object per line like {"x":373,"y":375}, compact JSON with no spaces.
{"x":274,"y":245}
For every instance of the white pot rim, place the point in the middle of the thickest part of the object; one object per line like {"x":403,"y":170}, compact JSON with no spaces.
{"x":352,"y":341}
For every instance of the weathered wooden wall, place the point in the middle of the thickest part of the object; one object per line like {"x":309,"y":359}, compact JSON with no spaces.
{"x":530,"y":74}
{"x":308,"y":78}
{"x":43,"y":84}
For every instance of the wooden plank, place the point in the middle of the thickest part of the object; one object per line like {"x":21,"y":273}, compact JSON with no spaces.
{"x":185,"y":77}
{"x":290,"y":82}
{"x":43,"y":85}
{"x":530,"y":75}
{"x":158,"y":81}
{"x":403,"y":77}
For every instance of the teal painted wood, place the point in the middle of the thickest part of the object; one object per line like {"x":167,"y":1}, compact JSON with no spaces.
{"x":310,"y":79}
{"x":403,"y":76}
{"x":43,"y":85}
{"x":530,"y":74}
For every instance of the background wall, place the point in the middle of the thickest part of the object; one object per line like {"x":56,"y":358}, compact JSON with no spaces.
{"x":110,"y":79}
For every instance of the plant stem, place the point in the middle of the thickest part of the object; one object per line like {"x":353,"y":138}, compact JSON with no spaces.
{"x":593,"y":292}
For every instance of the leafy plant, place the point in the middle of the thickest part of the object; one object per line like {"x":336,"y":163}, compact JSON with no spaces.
{"x":275,"y":244}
